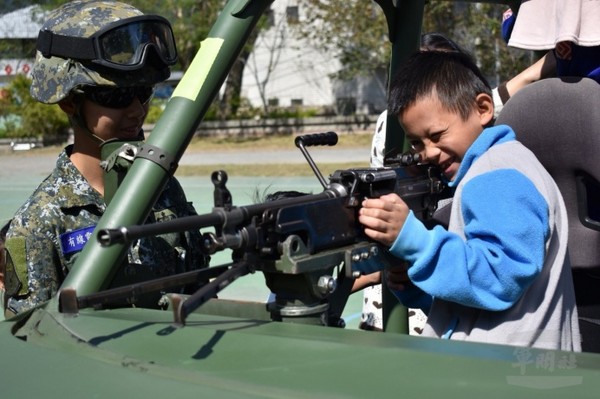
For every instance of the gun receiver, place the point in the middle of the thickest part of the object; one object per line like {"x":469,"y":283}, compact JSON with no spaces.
{"x":310,"y":247}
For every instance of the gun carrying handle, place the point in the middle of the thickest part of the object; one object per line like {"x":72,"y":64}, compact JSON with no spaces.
{"x":328,"y":138}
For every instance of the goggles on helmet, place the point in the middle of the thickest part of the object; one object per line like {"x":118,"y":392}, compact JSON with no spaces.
{"x":121,"y":45}
{"x":117,"y":97}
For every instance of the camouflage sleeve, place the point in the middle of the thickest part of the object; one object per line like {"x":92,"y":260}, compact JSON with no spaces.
{"x":195,"y":259}
{"x":31,"y":263}
{"x":172,"y":204}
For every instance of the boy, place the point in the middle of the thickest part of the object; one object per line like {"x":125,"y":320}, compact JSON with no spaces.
{"x":500,"y":272}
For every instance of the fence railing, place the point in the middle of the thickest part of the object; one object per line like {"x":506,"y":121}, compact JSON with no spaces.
{"x":258,"y":127}
{"x":247,"y":127}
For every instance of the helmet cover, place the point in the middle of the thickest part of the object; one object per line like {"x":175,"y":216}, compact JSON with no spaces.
{"x":54,"y":78}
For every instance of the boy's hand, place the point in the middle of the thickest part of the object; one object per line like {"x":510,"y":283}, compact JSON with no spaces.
{"x":383,"y":217}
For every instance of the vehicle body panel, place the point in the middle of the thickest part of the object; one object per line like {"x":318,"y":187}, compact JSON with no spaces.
{"x":231,"y":349}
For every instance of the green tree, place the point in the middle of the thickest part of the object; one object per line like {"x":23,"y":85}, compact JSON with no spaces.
{"x":35,"y":120}
{"x":274,"y":39}
{"x":191,"y":21}
{"x":357,"y":34}
{"x":476,"y":28}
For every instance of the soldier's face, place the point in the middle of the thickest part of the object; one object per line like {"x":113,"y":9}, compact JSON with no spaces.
{"x":110,"y":123}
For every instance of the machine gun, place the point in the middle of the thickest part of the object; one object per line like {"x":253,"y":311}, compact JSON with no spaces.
{"x":310,"y":248}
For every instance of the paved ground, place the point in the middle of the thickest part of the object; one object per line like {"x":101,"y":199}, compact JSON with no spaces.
{"x":21,"y":172}
{"x":29,"y":162}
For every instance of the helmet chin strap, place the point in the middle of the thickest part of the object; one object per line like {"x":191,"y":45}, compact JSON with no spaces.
{"x":79,"y":120}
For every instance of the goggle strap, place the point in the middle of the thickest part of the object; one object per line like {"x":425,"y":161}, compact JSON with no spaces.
{"x":52,"y":44}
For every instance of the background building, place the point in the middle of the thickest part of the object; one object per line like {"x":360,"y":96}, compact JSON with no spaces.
{"x":286,"y":70}
{"x":18,"y":33}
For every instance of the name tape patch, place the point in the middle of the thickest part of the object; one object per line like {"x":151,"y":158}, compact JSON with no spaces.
{"x":74,"y":241}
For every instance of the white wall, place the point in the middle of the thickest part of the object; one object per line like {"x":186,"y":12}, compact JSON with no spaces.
{"x":301,"y":72}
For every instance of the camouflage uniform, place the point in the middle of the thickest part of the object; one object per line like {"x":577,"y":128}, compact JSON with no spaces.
{"x":49,"y":230}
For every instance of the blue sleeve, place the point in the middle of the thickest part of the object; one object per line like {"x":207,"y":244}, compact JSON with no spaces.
{"x":506,"y":227}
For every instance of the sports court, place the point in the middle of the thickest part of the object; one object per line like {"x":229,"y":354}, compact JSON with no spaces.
{"x":20,"y":173}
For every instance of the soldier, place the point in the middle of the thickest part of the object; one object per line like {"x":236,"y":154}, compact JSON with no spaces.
{"x":99,"y":60}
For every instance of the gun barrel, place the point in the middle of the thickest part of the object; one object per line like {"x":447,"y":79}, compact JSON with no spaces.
{"x":219,"y":217}
{"x":124,"y":235}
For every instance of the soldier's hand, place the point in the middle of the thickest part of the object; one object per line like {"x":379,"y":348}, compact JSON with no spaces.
{"x":396,"y":277}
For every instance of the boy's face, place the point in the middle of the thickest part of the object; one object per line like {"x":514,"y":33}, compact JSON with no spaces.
{"x":441,"y":136}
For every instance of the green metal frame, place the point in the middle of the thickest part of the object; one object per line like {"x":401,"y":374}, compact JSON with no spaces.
{"x":230,"y":349}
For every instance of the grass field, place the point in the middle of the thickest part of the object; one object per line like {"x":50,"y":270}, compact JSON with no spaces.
{"x":265,"y":170}
{"x":225,"y":143}
{"x":269,"y":142}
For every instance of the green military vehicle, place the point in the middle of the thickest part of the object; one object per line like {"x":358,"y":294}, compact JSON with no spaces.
{"x":78,"y":346}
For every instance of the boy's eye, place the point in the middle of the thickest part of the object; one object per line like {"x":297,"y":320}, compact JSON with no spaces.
{"x":435,"y":137}
{"x":416,"y":145}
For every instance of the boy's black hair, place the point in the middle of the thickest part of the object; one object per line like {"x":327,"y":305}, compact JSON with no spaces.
{"x":453,"y":76}
{"x":434,"y":41}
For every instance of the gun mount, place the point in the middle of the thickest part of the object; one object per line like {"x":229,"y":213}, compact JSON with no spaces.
{"x":309,"y":247}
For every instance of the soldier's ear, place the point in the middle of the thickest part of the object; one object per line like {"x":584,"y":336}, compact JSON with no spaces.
{"x":68,"y":105}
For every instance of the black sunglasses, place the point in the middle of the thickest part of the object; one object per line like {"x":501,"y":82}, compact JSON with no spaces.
{"x":118,"y":97}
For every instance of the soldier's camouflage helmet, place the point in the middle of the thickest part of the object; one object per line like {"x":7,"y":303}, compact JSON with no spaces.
{"x":100,"y":43}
